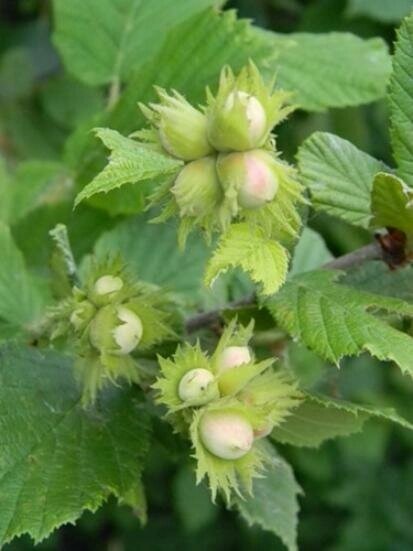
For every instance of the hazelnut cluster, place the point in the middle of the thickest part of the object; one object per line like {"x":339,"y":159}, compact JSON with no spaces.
{"x":225,"y":403}
{"x":108,"y":319}
{"x":231,"y":166}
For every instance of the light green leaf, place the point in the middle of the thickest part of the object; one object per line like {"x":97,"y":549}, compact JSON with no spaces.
{"x":22,"y":297}
{"x":310,"y":253}
{"x":339,"y":177}
{"x":264,"y":259}
{"x":401,"y":101}
{"x":387,"y":11}
{"x":331,"y":70}
{"x":125,"y":33}
{"x":129,"y":162}
{"x":335,"y":320}
{"x":152,"y":254}
{"x":273,"y":504}
{"x":320,"y":418}
{"x":392,"y":204}
{"x":56,"y":458}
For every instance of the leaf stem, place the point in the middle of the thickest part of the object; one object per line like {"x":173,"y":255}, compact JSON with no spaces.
{"x":114,"y":92}
{"x":355,"y":258}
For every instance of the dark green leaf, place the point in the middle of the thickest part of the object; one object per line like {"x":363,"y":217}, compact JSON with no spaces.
{"x":58,"y":459}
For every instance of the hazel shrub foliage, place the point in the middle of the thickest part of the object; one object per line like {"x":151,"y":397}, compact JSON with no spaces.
{"x":229,"y":178}
{"x":132,"y":352}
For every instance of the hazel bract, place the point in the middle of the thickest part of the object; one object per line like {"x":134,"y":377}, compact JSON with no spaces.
{"x":181,"y":127}
{"x":248,"y":178}
{"x":197,"y":189}
{"x":81,"y":315}
{"x":244,"y":110}
{"x":226,"y":434}
{"x":264,"y":431}
{"x":198,"y":386}
{"x":239,"y":124}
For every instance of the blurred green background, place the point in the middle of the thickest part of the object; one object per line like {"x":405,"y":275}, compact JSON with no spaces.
{"x":358,"y":491}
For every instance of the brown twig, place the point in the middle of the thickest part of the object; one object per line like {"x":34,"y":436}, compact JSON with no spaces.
{"x":373,"y":251}
{"x":210,"y":317}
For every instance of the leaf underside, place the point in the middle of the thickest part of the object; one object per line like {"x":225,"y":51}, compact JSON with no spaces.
{"x":320,"y":418}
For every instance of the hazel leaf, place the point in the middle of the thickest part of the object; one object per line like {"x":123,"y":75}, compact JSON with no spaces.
{"x":401,"y":101}
{"x":58,"y":459}
{"x":339,"y":177}
{"x":320,"y":418}
{"x":273,"y":504}
{"x":336,"y":321}
{"x":392,"y":204}
{"x":129,"y":162}
{"x":123,"y":34}
{"x":264,"y":259}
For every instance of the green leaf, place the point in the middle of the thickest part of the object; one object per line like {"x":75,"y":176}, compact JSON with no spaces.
{"x":312,"y":423}
{"x":310,"y":253}
{"x":58,"y":459}
{"x":331,"y":70}
{"x":335,"y":320}
{"x":214,"y":39}
{"x":401,"y":101}
{"x":37,"y":183}
{"x":339,"y":177}
{"x":264,"y":259}
{"x":376,"y":277}
{"x":320,"y":418}
{"x":273,"y":504}
{"x":30,"y":132}
{"x":34,"y":183}
{"x":192,"y":502}
{"x":129,"y":162}
{"x":151,"y":253}
{"x":16,"y":74}
{"x":22,"y":297}
{"x":135,"y":498}
{"x":69,"y":102}
{"x":387,"y":11}
{"x":125,"y":33}
{"x":392,"y":204}
{"x":5,"y":191}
